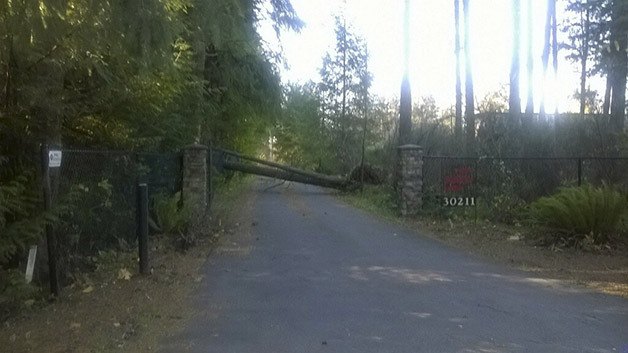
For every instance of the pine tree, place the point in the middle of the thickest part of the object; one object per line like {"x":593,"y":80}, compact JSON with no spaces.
{"x":344,"y":86}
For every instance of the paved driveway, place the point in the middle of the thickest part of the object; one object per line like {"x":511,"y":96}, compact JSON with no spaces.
{"x":312,"y":274}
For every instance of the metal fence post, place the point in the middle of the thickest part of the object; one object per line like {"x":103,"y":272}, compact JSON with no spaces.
{"x":51,"y":241}
{"x":142,"y":226}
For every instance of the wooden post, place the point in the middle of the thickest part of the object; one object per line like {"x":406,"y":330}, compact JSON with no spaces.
{"x":142,"y":226}
{"x":51,"y":241}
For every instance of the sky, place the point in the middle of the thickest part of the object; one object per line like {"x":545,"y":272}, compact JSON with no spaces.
{"x":432,"y":59}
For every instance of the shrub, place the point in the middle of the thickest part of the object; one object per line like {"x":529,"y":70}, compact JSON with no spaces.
{"x":101,"y":217}
{"x":171,"y":217}
{"x":19,"y":226}
{"x":15,"y":293}
{"x":585,"y":211}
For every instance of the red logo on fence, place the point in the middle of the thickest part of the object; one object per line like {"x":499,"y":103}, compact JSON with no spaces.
{"x":459,"y":179}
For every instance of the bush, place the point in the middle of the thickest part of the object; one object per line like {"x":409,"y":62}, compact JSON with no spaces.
{"x":585,"y":211}
{"x":171,"y":217}
{"x":20,"y":225}
{"x":379,"y":199}
{"x":15,"y":293}
{"x":101,"y":217}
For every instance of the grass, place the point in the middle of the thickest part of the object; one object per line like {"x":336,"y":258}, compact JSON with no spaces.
{"x":375,"y":199}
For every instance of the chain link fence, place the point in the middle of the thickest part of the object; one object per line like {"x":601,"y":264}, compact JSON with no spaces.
{"x":99,"y":190}
{"x":497,"y":188}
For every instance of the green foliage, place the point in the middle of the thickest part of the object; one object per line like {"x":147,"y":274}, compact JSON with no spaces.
{"x":136,"y":74}
{"x":300,"y":139}
{"x":22,"y":221}
{"x":130,"y":75}
{"x":99,"y":217}
{"x":379,"y":199}
{"x":172,"y":218}
{"x":582,"y":211}
{"x":15,"y":293}
{"x":20,"y":226}
{"x":343,"y":92}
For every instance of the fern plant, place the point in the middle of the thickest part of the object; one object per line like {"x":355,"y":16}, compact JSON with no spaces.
{"x":589,"y":211}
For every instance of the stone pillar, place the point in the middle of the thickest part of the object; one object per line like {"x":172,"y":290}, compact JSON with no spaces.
{"x":410,"y":185}
{"x":194,"y":184}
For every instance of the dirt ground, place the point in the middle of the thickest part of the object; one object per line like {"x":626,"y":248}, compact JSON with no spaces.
{"x":605,"y":271}
{"x":115,"y":309}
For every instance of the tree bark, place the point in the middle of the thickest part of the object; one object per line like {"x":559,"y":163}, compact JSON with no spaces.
{"x":301,"y":177}
{"x":619,"y":63}
{"x":606,"y":106}
{"x":554,"y":46}
{"x":584,"y":20}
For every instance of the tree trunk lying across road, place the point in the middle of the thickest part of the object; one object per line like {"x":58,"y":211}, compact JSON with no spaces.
{"x":228,"y":153}
{"x":299,"y":176}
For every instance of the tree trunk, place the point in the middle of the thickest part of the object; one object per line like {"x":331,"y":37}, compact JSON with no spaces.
{"x":344,"y":72}
{"x":554,"y":46}
{"x":458,"y":122}
{"x":514,"y":100}
{"x":530,"y":64}
{"x":584,"y":20}
{"x":606,"y":106}
{"x":469,"y":96}
{"x":302,"y":177}
{"x":619,"y":63}
{"x":546,"y":51}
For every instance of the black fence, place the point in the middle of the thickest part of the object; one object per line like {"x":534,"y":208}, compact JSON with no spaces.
{"x":99,"y":191}
{"x":496,"y":188}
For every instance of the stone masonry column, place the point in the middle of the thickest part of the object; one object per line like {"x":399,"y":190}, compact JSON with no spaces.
{"x":410,"y":185}
{"x":195,"y":173}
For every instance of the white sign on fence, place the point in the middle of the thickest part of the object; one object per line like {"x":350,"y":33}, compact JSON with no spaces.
{"x":54,"y":159}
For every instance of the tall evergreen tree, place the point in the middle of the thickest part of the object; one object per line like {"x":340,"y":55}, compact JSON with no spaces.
{"x":530,"y":62}
{"x":550,"y":17}
{"x":344,"y":86}
{"x":619,"y":61}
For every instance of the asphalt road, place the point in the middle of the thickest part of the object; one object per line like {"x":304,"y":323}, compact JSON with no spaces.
{"x":311,"y":274}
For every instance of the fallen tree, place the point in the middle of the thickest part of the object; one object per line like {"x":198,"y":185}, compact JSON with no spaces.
{"x":292,"y":174}
{"x":232,"y":160}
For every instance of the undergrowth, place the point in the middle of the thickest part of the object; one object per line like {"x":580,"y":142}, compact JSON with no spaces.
{"x":581,"y":216}
{"x":377,"y":199}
